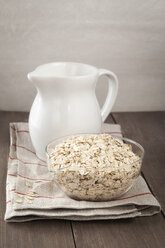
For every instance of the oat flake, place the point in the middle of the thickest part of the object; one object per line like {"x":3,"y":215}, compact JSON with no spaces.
{"x":94,"y":167}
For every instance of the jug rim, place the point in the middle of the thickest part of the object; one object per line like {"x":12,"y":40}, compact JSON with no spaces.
{"x":79,"y":70}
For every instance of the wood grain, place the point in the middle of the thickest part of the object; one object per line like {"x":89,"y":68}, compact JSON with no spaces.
{"x":149,"y":130}
{"x":138,"y":232}
{"x":46,"y":233}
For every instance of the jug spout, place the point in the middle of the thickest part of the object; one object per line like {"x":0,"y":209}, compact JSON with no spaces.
{"x":34,"y":78}
{"x":44,"y":85}
{"x":31,"y":76}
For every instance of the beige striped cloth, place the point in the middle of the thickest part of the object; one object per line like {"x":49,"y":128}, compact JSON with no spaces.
{"x":26,"y":170}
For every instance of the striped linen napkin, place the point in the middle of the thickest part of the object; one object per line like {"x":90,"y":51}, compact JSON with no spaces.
{"x":26,"y":173}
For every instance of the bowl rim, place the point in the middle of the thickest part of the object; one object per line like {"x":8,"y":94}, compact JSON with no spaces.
{"x":92,"y":134}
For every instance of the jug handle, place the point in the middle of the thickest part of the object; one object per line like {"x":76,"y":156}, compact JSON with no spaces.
{"x":112,"y":92}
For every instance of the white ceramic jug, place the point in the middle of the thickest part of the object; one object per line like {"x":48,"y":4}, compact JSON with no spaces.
{"x":66,"y":102}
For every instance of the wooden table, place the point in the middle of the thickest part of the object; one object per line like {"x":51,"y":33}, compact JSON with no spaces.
{"x":146,"y":128}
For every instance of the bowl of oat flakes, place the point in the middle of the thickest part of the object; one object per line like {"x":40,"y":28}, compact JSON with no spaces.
{"x":94,"y":167}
